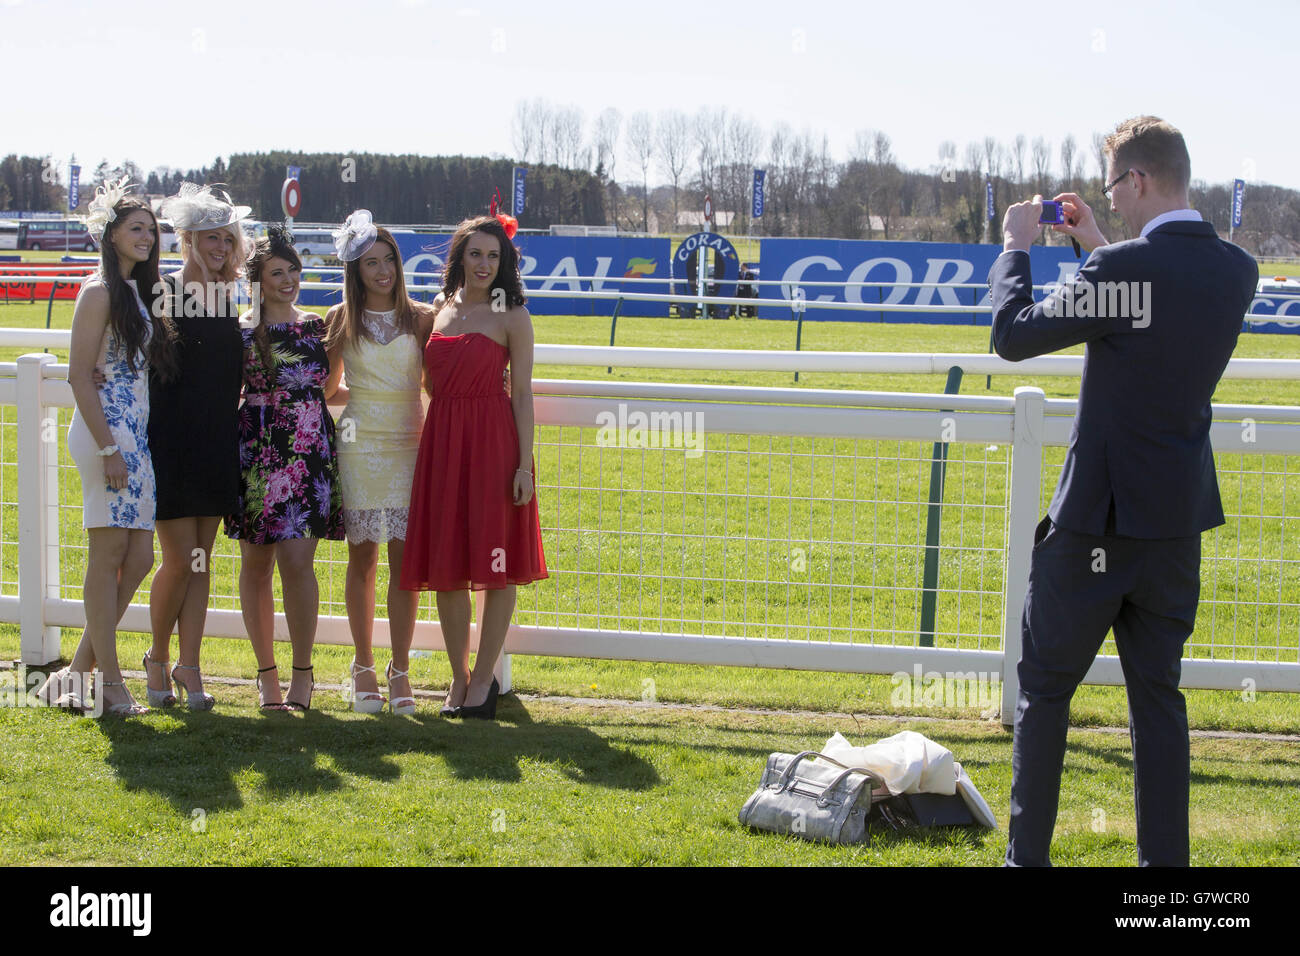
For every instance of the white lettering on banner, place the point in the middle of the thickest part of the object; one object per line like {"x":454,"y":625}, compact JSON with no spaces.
{"x":568,"y":266}
{"x":934,"y":273}
{"x":527,"y":264}
{"x":602,"y":270}
{"x":691,"y":243}
{"x":424,"y":262}
{"x":794,"y":273}
{"x":902,"y":273}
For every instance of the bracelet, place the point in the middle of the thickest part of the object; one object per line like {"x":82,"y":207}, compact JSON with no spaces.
{"x":106,"y":451}
{"x":528,"y":473}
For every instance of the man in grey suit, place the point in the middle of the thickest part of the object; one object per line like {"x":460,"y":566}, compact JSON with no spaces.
{"x":1120,"y":546}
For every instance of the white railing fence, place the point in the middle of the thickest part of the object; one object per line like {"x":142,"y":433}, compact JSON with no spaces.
{"x":768,"y":527}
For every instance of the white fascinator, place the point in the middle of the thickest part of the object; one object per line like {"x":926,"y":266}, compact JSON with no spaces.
{"x":201,"y":207}
{"x":99,"y":211}
{"x":355,"y":236}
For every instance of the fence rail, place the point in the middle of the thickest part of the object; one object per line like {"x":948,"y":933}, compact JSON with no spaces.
{"x":792,"y":531}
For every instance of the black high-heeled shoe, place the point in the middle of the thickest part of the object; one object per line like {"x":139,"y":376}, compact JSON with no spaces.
{"x":261,"y":691}
{"x":486,"y":710}
{"x":293,"y":704}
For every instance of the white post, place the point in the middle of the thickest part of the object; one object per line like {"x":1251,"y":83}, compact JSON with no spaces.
{"x":1022,"y":518}
{"x":37,"y":445}
{"x":701,"y":267}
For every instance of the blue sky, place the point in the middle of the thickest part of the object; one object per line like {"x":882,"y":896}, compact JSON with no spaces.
{"x":179,"y":83}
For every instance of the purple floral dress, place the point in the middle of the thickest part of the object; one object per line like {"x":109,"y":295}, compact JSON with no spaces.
{"x":289,"y":478}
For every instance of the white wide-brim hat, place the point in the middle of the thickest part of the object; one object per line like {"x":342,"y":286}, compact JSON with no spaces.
{"x":201,"y":207}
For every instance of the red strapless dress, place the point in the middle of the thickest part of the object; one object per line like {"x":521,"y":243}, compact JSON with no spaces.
{"x":464,"y":529}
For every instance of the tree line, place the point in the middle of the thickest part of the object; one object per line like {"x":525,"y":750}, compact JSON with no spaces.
{"x":396,"y":189}
{"x":867,"y":195}
{"x":643,"y":172}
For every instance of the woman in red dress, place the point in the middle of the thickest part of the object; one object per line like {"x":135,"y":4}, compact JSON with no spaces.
{"x":472,"y":524}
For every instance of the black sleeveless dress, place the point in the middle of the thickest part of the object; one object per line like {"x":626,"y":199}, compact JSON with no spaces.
{"x":194,"y":420}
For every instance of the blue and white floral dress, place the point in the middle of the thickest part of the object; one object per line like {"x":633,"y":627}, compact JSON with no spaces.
{"x":125,"y":400}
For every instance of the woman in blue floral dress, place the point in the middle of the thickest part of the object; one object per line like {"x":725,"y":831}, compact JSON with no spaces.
{"x":289,"y":496}
{"x":116,"y":326}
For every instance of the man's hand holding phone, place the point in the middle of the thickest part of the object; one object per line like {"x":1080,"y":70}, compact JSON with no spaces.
{"x":1077,"y":221}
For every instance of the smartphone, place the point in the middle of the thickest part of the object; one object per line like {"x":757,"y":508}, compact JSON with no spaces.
{"x":1052,"y":214}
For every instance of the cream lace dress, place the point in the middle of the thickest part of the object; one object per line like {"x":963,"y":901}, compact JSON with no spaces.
{"x":378,"y":433}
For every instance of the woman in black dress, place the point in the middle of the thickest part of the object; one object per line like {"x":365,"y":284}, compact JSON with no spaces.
{"x":194,"y":431}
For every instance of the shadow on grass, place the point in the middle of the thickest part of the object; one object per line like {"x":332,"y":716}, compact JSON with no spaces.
{"x":200,"y":762}
{"x":1121,"y":755}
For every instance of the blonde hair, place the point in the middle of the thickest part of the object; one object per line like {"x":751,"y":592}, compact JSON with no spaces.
{"x":233,"y":268}
{"x":1157,"y":148}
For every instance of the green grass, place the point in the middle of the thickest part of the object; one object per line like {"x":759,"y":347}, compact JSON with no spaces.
{"x":577,"y":783}
{"x":551,"y":783}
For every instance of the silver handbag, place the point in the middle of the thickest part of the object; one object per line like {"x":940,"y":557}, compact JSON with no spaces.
{"x":825,"y":800}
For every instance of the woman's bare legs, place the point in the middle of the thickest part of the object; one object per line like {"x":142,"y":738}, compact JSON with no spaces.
{"x":256,"y":565}
{"x":403,"y":606}
{"x":359,"y":597}
{"x":498,"y":607}
{"x":453,"y":618}
{"x":117,"y":561}
{"x":296,"y":560}
{"x":179,"y":595}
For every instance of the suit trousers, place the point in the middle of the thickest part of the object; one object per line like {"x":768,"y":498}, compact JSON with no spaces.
{"x":1080,"y":587}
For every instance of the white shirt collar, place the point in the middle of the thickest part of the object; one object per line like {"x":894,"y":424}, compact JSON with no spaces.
{"x":1174,"y":215}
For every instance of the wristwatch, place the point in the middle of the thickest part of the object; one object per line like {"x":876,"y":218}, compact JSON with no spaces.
{"x":105,"y":452}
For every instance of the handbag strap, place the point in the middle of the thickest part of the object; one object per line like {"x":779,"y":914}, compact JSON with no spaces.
{"x":784,"y":781}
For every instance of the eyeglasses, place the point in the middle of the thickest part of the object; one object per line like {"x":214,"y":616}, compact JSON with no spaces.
{"x":1119,"y":179}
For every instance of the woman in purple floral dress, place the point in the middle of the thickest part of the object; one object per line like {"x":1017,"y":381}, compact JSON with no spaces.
{"x":289,"y":494}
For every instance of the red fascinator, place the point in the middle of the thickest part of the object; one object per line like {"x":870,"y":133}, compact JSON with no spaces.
{"x":509,"y":223}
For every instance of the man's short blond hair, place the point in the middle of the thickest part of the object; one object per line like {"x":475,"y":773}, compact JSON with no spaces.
{"x":1150,"y":144}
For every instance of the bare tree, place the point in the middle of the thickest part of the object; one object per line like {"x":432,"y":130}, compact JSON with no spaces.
{"x":641,"y":137}
{"x":709,"y":132}
{"x":1099,"y":151}
{"x":1042,"y":156}
{"x":1068,"y":149}
{"x":744,"y":137}
{"x":566,"y":126}
{"x":1018,"y":159}
{"x":778,"y":180}
{"x":672,"y":139}
{"x":605,"y":138}
{"x":523,"y":130}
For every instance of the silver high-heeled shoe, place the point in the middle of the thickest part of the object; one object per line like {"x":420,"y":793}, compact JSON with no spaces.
{"x":193,"y":701}
{"x":157,"y":698}
{"x":128,"y":708}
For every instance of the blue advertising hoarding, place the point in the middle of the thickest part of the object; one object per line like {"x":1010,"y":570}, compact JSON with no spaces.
{"x":794,"y":261}
{"x":1238,"y":197}
{"x":552,"y":262}
{"x":557,"y":262}
{"x":760,"y":179}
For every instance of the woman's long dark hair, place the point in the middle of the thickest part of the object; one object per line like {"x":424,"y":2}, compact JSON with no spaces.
{"x":507,"y":277}
{"x":124,"y":318}
{"x":347,"y":326}
{"x":276,"y":244}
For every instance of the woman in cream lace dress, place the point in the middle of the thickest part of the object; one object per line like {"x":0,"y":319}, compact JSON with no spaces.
{"x":375,"y":341}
